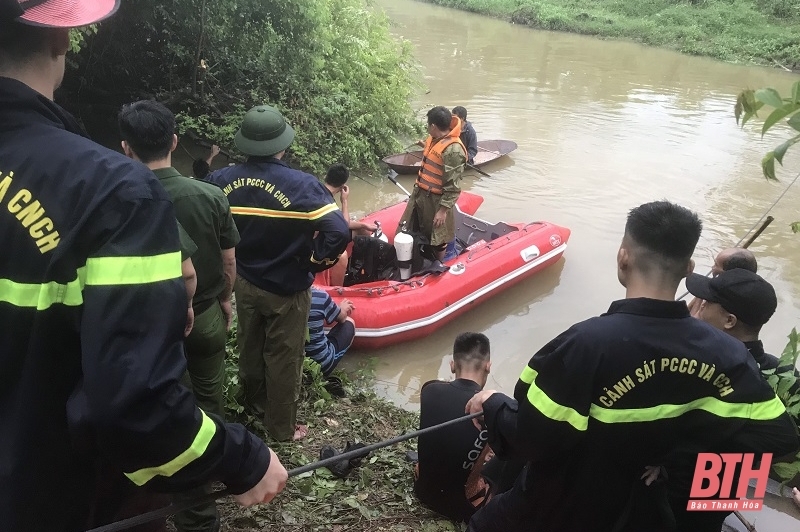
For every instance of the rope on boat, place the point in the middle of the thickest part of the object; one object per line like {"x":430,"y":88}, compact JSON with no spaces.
{"x":172,"y":509}
{"x":413,"y":283}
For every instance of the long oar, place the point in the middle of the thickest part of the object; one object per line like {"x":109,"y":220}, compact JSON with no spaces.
{"x":465,"y":164}
{"x":210,"y":497}
{"x":365,"y":180}
{"x":490,"y":151}
{"x":750,"y":240}
{"x":472,"y":167}
{"x":393,"y":180}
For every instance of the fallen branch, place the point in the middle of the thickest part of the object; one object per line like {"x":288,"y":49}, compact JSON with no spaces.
{"x":787,"y":69}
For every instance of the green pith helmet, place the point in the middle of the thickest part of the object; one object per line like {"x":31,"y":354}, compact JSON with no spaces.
{"x":264,"y":132}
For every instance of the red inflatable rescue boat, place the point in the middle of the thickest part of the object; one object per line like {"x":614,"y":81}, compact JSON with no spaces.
{"x":494,"y":258}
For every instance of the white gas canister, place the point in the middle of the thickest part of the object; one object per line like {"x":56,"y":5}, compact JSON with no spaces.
{"x":379,"y":233}
{"x":404,"y":247}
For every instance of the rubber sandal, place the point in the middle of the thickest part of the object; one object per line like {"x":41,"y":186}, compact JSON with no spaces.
{"x":300,"y":429}
{"x":339,"y":469}
{"x":356,"y":461}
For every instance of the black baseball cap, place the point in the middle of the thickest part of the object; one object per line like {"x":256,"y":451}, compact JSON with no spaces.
{"x":741,"y":292}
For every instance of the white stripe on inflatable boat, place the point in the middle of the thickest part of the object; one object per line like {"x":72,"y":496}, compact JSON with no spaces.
{"x":424,"y":322}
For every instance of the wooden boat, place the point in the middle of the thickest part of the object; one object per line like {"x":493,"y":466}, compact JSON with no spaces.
{"x":494,"y":258}
{"x":488,"y":151}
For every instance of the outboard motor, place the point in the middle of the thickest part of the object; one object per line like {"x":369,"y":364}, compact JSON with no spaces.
{"x":404,"y":247}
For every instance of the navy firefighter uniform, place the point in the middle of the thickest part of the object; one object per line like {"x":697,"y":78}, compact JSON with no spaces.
{"x":278,"y":210}
{"x":92,"y":313}
{"x":643,"y":385}
{"x":290,"y":230}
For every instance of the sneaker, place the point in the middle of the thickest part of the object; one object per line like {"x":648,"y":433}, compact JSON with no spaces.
{"x":335,"y":386}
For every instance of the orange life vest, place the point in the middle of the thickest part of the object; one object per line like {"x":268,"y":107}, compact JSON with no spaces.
{"x":431,"y":174}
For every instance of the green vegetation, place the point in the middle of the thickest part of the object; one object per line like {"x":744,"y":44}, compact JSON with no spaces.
{"x":783,"y":383}
{"x":376,"y":496}
{"x":784,"y":113}
{"x":760,"y":31}
{"x":331,"y":66}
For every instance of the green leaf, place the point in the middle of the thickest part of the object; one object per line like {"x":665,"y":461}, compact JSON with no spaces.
{"x":780,"y":151}
{"x":768,"y":166}
{"x":789,"y":354}
{"x":738,"y":109}
{"x":794,"y":122}
{"x":795,"y":227}
{"x":351,"y":502}
{"x":769,"y":97}
{"x":746,"y":106}
{"x":786,"y":471}
{"x":784,"y":385}
{"x":365,"y":511}
{"x":777,"y":115}
{"x":796,"y":92}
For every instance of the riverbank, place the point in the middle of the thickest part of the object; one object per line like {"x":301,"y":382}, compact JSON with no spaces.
{"x":740,"y":31}
{"x":378,"y":495}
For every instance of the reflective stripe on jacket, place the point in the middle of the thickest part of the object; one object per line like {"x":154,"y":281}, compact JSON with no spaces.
{"x":92,"y":312}
{"x":431,"y":174}
{"x":278,"y":210}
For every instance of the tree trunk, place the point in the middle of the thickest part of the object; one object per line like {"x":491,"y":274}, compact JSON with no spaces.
{"x":199,"y":53}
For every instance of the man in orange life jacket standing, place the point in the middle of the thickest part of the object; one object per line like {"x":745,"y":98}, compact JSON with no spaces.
{"x":430,"y":207}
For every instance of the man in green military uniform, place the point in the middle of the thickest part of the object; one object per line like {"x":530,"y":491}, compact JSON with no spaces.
{"x":188,"y":249}
{"x":148,"y":133}
{"x":430,"y":207}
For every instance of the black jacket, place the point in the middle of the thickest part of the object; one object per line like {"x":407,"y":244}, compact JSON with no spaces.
{"x":278,"y":210}
{"x":92,"y":311}
{"x":644,"y":384}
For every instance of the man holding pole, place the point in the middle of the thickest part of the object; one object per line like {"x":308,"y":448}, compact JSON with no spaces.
{"x":430,"y":206}
{"x":727,"y":259}
{"x":92,"y":309}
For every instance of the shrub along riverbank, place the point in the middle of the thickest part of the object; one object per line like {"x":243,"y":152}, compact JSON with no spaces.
{"x":342,"y":80}
{"x":742,"y":31}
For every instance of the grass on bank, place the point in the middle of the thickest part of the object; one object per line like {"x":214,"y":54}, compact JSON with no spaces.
{"x":741,"y":31}
{"x":376,"y":496}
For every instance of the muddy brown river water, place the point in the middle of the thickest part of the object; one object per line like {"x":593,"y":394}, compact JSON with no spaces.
{"x":602,"y":127}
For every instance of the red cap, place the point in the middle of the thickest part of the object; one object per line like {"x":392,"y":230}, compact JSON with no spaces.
{"x":65,"y":13}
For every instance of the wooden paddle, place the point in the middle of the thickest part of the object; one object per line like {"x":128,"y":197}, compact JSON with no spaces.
{"x":490,"y":151}
{"x":477,"y":169}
